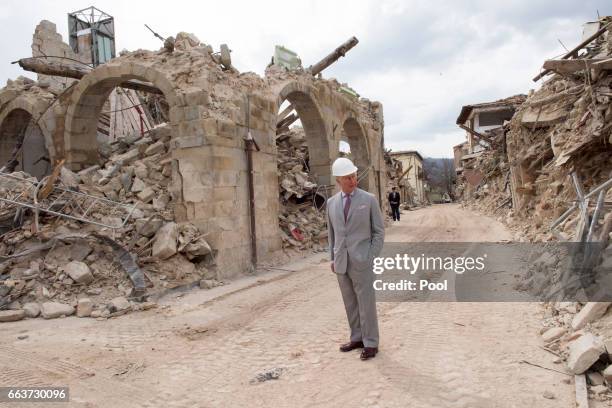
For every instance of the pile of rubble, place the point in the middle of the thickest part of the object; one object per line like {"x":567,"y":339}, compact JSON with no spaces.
{"x":547,"y":173}
{"x":556,"y":148}
{"x":64,"y":259}
{"x":302,"y":215}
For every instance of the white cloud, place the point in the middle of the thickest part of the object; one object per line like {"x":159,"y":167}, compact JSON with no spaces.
{"x":422,"y":60}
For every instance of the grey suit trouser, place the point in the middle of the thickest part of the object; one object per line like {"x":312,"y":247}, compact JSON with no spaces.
{"x":360,"y":303}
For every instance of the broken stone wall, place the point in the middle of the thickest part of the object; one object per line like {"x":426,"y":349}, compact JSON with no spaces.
{"x":27,"y":125}
{"x":212,"y":108}
{"x":47,"y":43}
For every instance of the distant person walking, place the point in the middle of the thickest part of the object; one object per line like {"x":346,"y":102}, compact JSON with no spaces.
{"x":356,"y":236}
{"x":394,"y":202}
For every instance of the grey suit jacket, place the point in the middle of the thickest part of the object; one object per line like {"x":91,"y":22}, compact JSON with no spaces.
{"x":362,"y":236}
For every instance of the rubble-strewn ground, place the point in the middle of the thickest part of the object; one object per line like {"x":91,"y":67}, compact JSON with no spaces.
{"x":61,"y":261}
{"x":276,"y":336}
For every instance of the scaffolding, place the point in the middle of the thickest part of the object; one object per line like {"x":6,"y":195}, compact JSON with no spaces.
{"x":91,"y":34}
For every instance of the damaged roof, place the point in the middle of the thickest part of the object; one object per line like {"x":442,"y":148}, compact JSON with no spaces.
{"x":406,"y":152}
{"x":512,"y":102}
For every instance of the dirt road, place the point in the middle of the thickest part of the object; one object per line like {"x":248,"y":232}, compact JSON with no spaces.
{"x":225,"y":346}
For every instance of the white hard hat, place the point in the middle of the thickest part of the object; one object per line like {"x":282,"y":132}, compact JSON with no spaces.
{"x":343,"y":167}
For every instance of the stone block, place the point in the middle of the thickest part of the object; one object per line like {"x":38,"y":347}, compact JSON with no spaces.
{"x":79,"y":272}
{"x":32,"y":309}
{"x":165,"y":244}
{"x":584,"y":352}
{"x":553,"y":334}
{"x":590,"y":312}
{"x":11,"y":315}
{"x":148,"y":227}
{"x":52,"y":310}
{"x":607,"y":374}
{"x":146,"y":195}
{"x":119,"y":304}
{"x":157,"y":147}
{"x":84,"y":307}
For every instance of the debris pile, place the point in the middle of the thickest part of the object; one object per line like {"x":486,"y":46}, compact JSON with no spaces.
{"x":556,"y":149}
{"x":549,"y":170}
{"x":56,"y":257}
{"x":302,"y":215}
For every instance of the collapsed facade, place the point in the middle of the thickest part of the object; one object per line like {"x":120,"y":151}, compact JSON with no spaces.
{"x":215,"y":158}
{"x":478,"y":121}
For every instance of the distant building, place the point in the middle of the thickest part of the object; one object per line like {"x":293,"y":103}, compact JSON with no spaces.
{"x":412,"y":165}
{"x":480,"y":122}
{"x":482,"y":117}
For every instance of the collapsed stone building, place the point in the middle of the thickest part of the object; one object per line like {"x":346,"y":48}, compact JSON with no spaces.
{"x":206,"y":162}
{"x":547,"y":172}
{"x":552,"y":152}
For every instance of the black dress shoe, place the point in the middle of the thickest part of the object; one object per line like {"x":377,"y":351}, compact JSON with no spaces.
{"x":352,"y":345}
{"x":368,"y":353}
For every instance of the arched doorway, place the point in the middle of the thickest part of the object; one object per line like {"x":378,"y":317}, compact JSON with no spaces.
{"x":353,"y":134}
{"x":304,"y":168}
{"x":22,"y":142}
{"x":81,"y":137}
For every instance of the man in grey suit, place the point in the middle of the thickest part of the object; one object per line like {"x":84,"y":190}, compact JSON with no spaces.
{"x":356,"y":236}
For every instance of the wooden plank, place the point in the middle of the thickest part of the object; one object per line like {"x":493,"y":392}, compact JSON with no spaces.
{"x":575,"y":50}
{"x":582,"y":396}
{"x":113,"y":115}
{"x":284,"y":113}
{"x":570,"y":66}
{"x":603,"y":64}
{"x":119,"y":126}
{"x":475,"y":133}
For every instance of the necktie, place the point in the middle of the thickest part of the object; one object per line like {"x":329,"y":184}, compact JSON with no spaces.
{"x":347,"y":205}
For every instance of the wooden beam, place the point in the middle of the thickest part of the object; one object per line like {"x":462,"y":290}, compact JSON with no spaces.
{"x":575,"y":50}
{"x":287,"y":121}
{"x":404,"y":173}
{"x":53,"y":68}
{"x":475,"y":133}
{"x":603,"y":64}
{"x":554,"y":98}
{"x":284,"y":113}
{"x":334,"y":56}
{"x":582,"y":396}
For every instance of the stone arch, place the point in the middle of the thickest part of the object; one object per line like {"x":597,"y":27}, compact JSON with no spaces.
{"x":303,"y":98}
{"x":360,"y":149}
{"x":88,"y":98}
{"x":22,"y":118}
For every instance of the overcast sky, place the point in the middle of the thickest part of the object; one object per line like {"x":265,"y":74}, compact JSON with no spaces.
{"x":422,"y":59}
